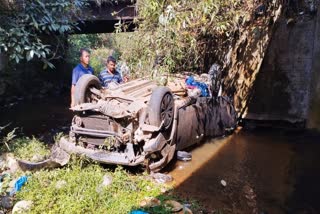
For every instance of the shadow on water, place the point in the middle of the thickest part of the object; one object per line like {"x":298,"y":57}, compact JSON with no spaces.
{"x":266,"y":171}
{"x":39,"y":117}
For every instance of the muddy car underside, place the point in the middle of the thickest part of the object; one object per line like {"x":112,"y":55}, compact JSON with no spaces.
{"x":142,"y":123}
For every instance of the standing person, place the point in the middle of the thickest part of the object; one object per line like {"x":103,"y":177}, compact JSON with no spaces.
{"x":82,"y":68}
{"x":110,"y":74}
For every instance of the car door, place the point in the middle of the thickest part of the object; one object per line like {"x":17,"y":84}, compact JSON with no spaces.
{"x":190,"y":129}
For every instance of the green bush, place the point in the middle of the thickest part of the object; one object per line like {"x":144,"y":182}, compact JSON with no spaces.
{"x":184,"y":35}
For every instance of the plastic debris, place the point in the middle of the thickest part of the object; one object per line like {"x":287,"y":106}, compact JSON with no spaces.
{"x":18,"y":184}
{"x":138,"y":212}
{"x":191,"y":83}
{"x":184,"y":156}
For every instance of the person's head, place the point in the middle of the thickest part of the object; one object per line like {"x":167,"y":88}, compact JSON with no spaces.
{"x":111,"y":64}
{"x":84,"y":55}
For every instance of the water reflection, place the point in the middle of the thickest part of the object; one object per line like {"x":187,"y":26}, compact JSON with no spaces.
{"x":266,"y":172}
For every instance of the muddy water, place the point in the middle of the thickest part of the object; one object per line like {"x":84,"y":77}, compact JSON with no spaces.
{"x":265,"y":171}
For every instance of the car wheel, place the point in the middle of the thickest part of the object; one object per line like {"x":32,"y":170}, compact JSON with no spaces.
{"x":83,"y":93}
{"x":161,"y":107}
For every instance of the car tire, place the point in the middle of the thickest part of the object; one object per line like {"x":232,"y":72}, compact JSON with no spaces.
{"x":82,"y":90}
{"x":161,"y":107}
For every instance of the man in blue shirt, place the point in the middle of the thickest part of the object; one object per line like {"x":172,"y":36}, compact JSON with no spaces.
{"x":82,"y":68}
{"x":110,"y":74}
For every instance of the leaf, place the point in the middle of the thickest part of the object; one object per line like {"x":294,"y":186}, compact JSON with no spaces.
{"x":18,"y":48}
{"x":31,"y":53}
{"x":17,"y":59}
{"x":43,"y":54}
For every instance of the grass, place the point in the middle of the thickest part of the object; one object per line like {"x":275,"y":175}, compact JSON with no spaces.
{"x":82,"y":191}
{"x":29,"y":149}
{"x":77,"y":187}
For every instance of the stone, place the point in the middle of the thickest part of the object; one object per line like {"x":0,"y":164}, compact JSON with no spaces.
{"x":185,"y":210}
{"x":161,"y":178}
{"x":59,"y":156}
{"x":2,"y":163}
{"x":163,"y":190}
{"x":37,"y":158}
{"x":22,"y":207}
{"x":12,"y":163}
{"x":11,"y":184}
{"x":60,"y":184}
{"x":150,"y":202}
{"x":173,"y":205}
{"x":223,"y":183}
{"x":107,"y":180}
{"x":7,"y":202}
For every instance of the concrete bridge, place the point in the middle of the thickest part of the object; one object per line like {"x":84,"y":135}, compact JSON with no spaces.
{"x":102,"y":18}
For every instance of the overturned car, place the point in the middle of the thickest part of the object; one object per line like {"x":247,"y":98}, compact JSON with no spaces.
{"x":141,"y":123}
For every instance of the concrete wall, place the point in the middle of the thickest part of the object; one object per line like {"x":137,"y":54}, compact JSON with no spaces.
{"x":281,"y":81}
{"x":246,"y":56}
{"x":282,"y":87}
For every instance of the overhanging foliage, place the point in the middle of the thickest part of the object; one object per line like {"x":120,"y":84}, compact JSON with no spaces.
{"x":26,"y":25}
